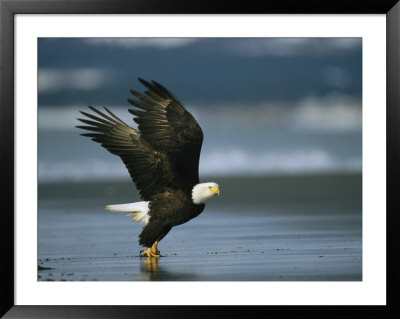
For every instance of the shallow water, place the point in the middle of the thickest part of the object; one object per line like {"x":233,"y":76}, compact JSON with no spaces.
{"x":313,"y":239}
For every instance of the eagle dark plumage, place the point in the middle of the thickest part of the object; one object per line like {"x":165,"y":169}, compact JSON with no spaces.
{"x":162,"y":158}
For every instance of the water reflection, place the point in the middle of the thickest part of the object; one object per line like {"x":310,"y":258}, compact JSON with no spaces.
{"x":151,"y":268}
{"x":149,"y":265}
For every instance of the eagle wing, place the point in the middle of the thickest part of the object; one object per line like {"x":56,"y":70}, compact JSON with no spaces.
{"x":145,"y":165}
{"x":165,"y":123}
{"x":166,"y":151}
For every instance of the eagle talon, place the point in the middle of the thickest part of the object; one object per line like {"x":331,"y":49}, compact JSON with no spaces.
{"x":150,"y":253}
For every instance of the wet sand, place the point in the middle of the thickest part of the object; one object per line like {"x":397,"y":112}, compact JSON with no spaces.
{"x":261,"y":238}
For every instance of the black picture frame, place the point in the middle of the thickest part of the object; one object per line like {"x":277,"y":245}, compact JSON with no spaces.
{"x":8,"y":10}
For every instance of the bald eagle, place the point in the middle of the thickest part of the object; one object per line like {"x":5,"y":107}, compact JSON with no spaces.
{"x":162,"y":157}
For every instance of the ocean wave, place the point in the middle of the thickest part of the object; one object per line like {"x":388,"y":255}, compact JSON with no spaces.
{"x":332,"y":113}
{"x":232,"y":162}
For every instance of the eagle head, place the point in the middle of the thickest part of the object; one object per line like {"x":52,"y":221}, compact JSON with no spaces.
{"x":203,"y":191}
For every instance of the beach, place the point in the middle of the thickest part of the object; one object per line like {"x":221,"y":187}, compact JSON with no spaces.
{"x":261,"y":228}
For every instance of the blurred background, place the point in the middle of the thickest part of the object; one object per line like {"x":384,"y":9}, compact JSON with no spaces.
{"x":266,"y":105}
{"x":282,"y":123}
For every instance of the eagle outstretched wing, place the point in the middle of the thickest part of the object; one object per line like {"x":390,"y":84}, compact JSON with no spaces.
{"x":166,"y":124}
{"x":163,"y":153}
{"x":141,"y":160}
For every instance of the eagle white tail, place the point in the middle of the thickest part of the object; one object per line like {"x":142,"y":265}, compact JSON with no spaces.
{"x":138,"y":210}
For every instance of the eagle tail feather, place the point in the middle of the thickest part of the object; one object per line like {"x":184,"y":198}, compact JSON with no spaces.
{"x":138,"y":210}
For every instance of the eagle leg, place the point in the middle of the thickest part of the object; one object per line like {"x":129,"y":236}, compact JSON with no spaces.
{"x":155,"y":249}
{"x":152,"y":251}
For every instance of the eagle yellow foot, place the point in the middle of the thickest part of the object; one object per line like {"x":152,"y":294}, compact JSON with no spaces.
{"x":151,"y":252}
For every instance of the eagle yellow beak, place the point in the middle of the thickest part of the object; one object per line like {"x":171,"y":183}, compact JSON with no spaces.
{"x":215,"y":190}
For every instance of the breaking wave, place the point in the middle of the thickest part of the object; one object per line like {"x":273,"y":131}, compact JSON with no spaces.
{"x":233,"y":162}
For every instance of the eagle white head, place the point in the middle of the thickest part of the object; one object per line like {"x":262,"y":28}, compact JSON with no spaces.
{"x":203,"y":191}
